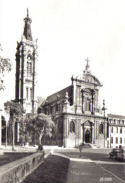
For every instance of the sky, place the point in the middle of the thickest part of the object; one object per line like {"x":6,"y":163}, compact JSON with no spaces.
{"x":69,"y":31}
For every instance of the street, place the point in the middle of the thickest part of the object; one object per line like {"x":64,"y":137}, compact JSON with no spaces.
{"x":95,"y":167}
{"x":92,"y":166}
{"x":83,"y":172}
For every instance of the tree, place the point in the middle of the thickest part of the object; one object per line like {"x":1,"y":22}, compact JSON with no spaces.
{"x":15,"y":110}
{"x":5,"y":66}
{"x":40,"y":125}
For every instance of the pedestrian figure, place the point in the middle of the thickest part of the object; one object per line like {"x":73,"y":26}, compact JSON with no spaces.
{"x":40,"y":149}
{"x":80,"y":149}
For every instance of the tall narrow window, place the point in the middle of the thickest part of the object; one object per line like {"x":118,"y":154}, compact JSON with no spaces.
{"x":27,"y":94}
{"x":88,"y":104}
{"x":30,"y":68}
{"x":111,"y":129}
{"x":31,"y":94}
{"x":121,"y":130}
{"x":111,"y":140}
{"x":116,"y":140}
{"x":72,"y":126}
{"x":120,"y":140}
{"x":101,"y":128}
{"x":116,"y":129}
{"x":29,"y":65}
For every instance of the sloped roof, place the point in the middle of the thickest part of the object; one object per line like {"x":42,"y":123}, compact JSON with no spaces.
{"x":60,"y":94}
{"x":116,"y":116}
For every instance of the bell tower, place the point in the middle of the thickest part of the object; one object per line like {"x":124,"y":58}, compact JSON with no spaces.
{"x":25,"y":68}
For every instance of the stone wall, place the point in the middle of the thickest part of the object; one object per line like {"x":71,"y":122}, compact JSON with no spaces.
{"x":16,"y":171}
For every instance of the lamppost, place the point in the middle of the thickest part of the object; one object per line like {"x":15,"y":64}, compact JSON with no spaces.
{"x":104,"y":109}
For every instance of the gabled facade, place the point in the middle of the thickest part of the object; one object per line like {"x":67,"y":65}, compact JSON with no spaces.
{"x":76,"y":112}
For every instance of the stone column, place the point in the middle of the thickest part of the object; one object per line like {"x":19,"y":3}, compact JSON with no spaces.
{"x":83,"y":133}
{"x":82,"y":100}
{"x":74,"y":90}
{"x":79,"y":132}
{"x":65,"y":131}
{"x":91,"y":133}
{"x":93,"y":92}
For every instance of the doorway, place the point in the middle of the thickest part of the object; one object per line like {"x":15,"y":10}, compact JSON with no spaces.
{"x":87,"y":136}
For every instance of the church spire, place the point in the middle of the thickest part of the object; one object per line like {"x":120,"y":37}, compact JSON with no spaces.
{"x":27,"y":27}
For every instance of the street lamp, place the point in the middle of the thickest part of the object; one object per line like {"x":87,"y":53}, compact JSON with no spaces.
{"x":104,"y":109}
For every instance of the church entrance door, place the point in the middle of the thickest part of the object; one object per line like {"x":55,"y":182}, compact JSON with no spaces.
{"x":87,"y":136}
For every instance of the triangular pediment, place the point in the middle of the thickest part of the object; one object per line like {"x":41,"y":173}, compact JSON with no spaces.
{"x":89,"y":79}
{"x":87,"y":123}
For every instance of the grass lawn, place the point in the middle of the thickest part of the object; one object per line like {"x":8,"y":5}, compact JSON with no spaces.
{"x":53,"y":170}
{"x":9,"y":157}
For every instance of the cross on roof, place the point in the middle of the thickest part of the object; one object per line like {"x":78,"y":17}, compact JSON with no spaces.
{"x":87,"y":63}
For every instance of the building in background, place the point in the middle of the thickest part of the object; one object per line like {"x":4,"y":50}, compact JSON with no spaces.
{"x":116,"y":130}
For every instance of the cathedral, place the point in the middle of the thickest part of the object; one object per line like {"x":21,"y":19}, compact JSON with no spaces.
{"x":76,"y":110}
{"x":77,"y":113}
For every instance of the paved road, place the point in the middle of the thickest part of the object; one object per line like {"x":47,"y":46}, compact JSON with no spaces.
{"x":94,"y":168}
{"x":89,"y":172}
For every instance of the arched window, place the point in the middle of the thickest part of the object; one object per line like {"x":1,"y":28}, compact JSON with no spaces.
{"x":72,"y":126}
{"x":29,"y":65}
{"x":101,"y":128}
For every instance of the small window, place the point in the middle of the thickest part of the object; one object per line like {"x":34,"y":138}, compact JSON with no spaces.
{"x":111,"y":140}
{"x":72,"y":126}
{"x":27,"y":93}
{"x":31,"y":94}
{"x":120,"y":140}
{"x":111,"y":129}
{"x":116,"y":129}
{"x":110,"y":121}
{"x":116,"y":140}
{"x":121,"y":130}
{"x":101,"y":128}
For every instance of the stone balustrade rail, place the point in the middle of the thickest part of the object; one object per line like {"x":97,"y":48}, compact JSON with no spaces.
{"x":16,"y":171}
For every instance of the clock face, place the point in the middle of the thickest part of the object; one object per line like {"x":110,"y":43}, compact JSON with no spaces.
{"x":29,"y":57}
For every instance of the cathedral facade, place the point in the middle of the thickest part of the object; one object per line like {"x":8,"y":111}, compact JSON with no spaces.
{"x":77,"y":113}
